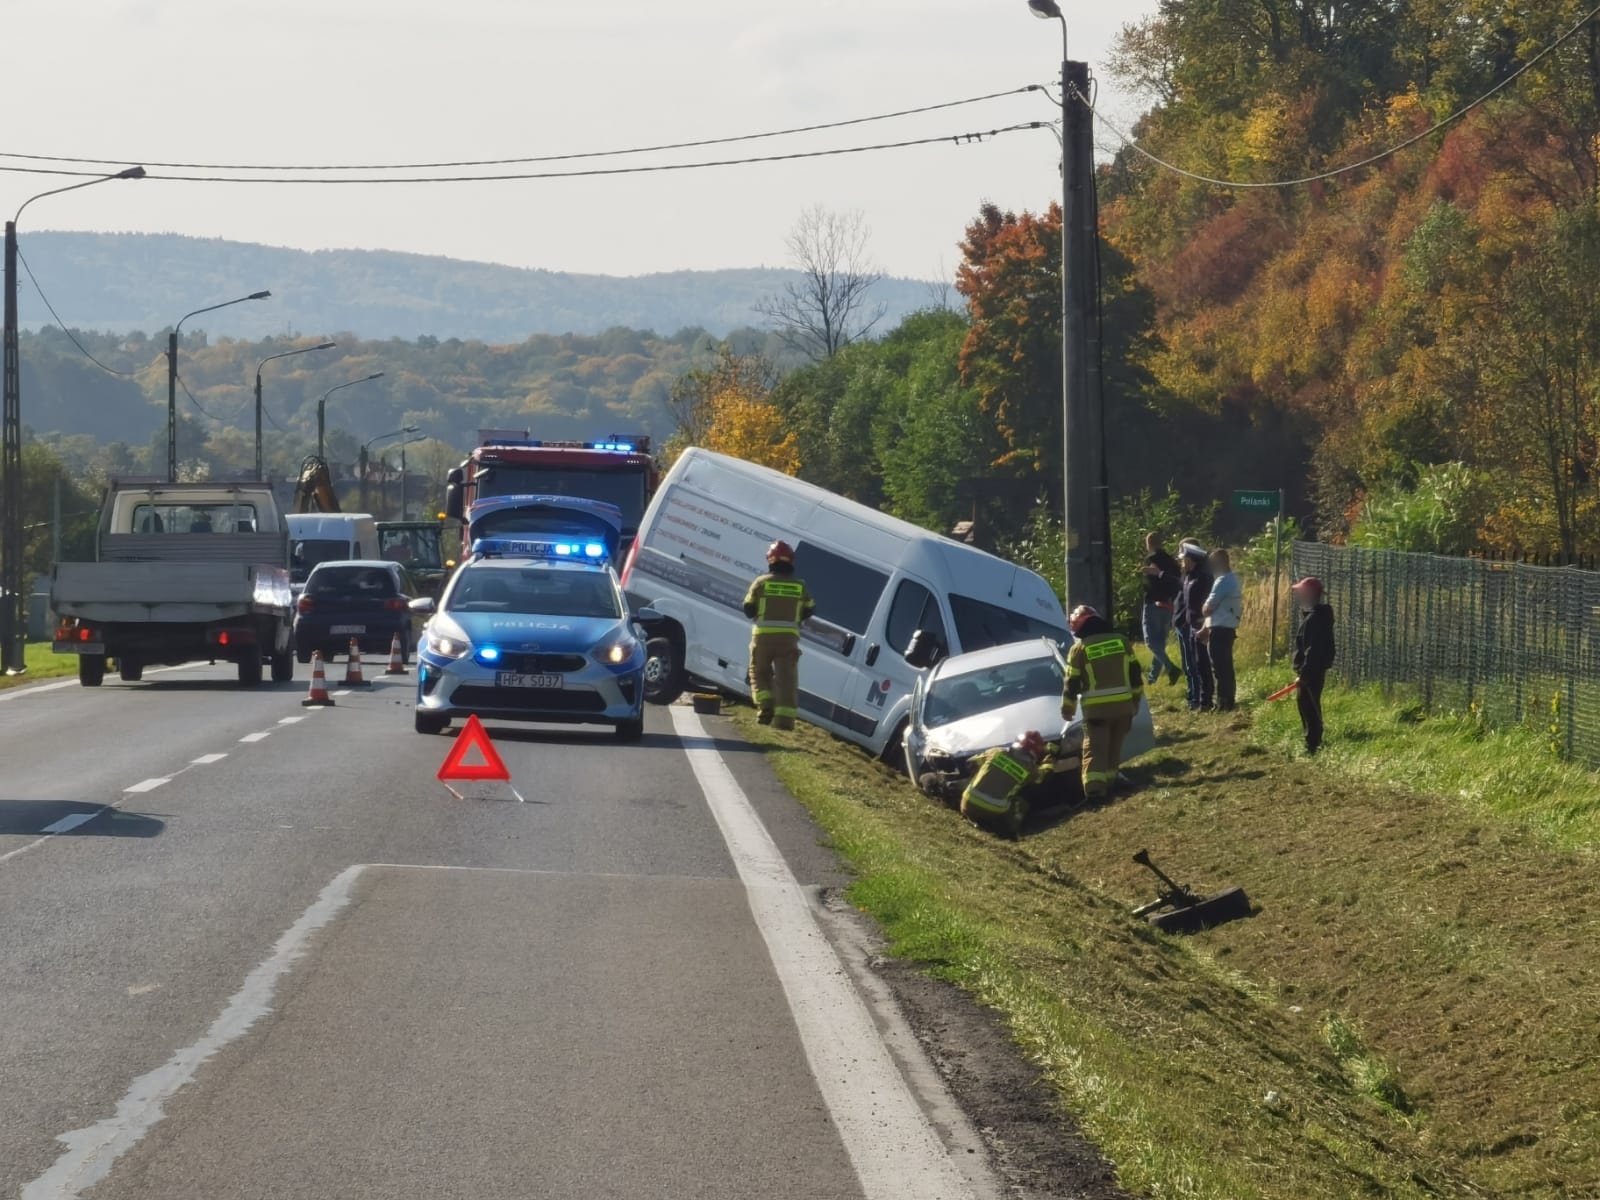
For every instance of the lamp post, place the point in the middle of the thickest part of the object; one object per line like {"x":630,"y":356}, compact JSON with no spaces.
{"x":1085,"y":500}
{"x":322,"y":407}
{"x":362,"y":465}
{"x":410,"y":441}
{"x":172,"y":377}
{"x":11,"y":624}
{"x":260,"y":475}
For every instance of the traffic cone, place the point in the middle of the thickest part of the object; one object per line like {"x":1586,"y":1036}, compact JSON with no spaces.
{"x":319,"y":697}
{"x":352,"y":667}
{"x":397,"y":664}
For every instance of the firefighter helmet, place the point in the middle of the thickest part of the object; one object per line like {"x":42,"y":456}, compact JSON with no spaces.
{"x":1032,"y":742}
{"x":780,"y":552}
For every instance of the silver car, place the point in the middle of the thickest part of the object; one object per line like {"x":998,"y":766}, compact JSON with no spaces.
{"x":974,"y":702}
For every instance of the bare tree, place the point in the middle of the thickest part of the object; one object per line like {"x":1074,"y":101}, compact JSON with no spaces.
{"x":827,"y":308}
{"x":939,"y":289}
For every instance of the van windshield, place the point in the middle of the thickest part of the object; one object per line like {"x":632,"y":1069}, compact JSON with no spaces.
{"x":980,"y":625}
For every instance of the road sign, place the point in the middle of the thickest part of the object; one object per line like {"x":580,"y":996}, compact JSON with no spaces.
{"x":456,"y":769}
{"x":1263,"y":502}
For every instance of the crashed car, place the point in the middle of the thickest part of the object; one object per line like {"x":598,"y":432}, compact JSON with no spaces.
{"x":974,"y":702}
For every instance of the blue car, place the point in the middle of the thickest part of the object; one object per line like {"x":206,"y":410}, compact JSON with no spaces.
{"x":532,"y":631}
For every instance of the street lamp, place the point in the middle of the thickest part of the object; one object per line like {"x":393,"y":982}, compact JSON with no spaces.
{"x":362,"y":467}
{"x":11,"y":624}
{"x":172,"y":377}
{"x":1087,"y":567}
{"x":260,"y":476}
{"x":322,"y":406}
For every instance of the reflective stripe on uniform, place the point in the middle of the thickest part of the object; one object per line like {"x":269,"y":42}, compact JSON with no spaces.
{"x":997,"y":781}
{"x":770,"y":627}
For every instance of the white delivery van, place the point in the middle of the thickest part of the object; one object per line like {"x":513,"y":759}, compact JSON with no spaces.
{"x":877,"y":580}
{"x":328,"y":537}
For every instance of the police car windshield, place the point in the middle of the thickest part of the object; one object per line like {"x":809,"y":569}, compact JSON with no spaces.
{"x":536,"y":590}
{"x":956,"y":697}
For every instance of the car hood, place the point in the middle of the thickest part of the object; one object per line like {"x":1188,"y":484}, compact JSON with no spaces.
{"x":520,"y":633}
{"x":997,"y":727}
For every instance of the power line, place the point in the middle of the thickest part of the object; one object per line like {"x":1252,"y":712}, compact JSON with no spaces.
{"x":202,"y":411}
{"x":959,"y":139}
{"x":1132,"y":144}
{"x":544,"y":158}
{"x":72,"y":337}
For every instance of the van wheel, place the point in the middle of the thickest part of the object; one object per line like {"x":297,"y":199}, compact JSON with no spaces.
{"x":663,"y":671}
{"x":893,"y":754}
{"x":91,"y":669}
{"x":130,"y":669}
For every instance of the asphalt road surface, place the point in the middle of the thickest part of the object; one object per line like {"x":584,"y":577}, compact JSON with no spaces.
{"x":253,"y":950}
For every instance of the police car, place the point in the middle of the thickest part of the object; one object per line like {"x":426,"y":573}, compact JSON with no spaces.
{"x":532,"y":631}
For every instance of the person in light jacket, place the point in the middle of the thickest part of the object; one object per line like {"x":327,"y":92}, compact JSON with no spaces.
{"x":1223,"y":608}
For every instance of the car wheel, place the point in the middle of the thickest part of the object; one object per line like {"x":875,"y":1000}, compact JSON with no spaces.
{"x":250,"y":670}
{"x":91,"y":669}
{"x":130,"y":669}
{"x":630,"y":731}
{"x":302,"y":653}
{"x":430,"y":723}
{"x":663,"y":672}
{"x":283,"y":666}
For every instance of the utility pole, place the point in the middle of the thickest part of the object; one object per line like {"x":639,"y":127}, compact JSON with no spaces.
{"x":11,"y":627}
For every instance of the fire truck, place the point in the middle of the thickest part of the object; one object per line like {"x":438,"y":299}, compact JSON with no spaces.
{"x":618,"y":471}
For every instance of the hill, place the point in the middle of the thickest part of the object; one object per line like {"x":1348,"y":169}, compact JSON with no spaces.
{"x":127,"y":281}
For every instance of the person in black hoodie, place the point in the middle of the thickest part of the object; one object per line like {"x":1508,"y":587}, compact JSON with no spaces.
{"x":1313,"y":655}
{"x":1189,"y":620}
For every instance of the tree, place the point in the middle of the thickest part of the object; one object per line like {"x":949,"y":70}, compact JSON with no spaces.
{"x":828,"y":308}
{"x":691,"y":401}
{"x":744,"y":425}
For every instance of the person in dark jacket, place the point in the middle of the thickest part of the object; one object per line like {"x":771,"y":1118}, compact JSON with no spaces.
{"x":1161,"y":588}
{"x":1189,"y":620}
{"x":1313,"y":656}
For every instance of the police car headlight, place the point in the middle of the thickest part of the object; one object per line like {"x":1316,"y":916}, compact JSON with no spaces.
{"x":618,"y":652}
{"x":449,"y":647}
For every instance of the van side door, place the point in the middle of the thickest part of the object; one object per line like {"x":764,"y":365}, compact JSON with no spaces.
{"x":848,"y":594}
{"x":884,"y":675}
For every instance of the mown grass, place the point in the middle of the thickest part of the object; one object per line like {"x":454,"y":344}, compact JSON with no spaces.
{"x":1414,"y":1010}
{"x":43,"y":663}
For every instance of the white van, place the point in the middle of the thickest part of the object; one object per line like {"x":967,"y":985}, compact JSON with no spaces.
{"x":877,"y":580}
{"x":328,"y":537}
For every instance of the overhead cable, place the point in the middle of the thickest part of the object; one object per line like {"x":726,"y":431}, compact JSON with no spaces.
{"x":72,"y":337}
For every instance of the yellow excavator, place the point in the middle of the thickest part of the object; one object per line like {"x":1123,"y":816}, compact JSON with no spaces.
{"x":314,"y":492}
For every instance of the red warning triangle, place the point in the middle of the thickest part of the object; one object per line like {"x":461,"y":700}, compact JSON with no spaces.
{"x":472,"y":737}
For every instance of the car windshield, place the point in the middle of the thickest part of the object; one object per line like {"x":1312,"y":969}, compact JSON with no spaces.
{"x":952,"y":698}
{"x":308,"y":552}
{"x":355,"y":582}
{"x":624,"y":487}
{"x":539,"y":591}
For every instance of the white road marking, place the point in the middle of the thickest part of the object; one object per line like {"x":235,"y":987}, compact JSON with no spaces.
{"x":343,"y":693}
{"x":71,"y":821}
{"x":149,"y":785}
{"x":257,"y":737}
{"x":27,"y":689}
{"x":205,"y":760}
{"x":37,"y":842}
{"x":290,"y":720}
{"x":91,"y":1151}
{"x":894,"y":1151}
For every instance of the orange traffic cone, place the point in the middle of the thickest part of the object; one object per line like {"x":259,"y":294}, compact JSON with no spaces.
{"x":319,"y":697}
{"x":397,"y":656}
{"x":352,"y":667}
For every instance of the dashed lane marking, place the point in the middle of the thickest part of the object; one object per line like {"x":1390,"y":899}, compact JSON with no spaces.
{"x":205,"y":760}
{"x":148,"y":785}
{"x":71,"y":821}
{"x":257,"y":737}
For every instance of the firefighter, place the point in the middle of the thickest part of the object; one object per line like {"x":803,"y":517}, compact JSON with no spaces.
{"x":1103,"y":676}
{"x":1000,"y":779}
{"x":777,"y":602}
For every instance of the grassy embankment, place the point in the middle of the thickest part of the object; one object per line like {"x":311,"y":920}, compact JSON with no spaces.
{"x":43,"y":663}
{"x":1418,"y":994}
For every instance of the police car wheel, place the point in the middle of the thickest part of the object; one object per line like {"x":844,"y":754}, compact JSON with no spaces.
{"x":430,"y":723}
{"x":630,"y":731}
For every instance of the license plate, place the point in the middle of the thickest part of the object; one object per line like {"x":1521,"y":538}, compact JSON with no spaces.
{"x":516,"y":679}
{"x":338,"y":629}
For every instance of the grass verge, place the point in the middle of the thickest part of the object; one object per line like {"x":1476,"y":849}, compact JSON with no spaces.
{"x":43,"y":663}
{"x":1413,"y":1011}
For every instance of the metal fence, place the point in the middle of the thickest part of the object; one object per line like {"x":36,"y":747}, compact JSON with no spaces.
{"x":1515,"y":644}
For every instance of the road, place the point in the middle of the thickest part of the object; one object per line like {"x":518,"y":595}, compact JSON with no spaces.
{"x":253,"y":950}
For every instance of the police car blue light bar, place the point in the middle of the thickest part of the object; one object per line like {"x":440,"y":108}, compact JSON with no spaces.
{"x":626,"y":447}
{"x":519,"y":548}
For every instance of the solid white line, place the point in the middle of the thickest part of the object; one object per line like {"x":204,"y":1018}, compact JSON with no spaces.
{"x":71,"y":822}
{"x":895,"y":1153}
{"x":257,"y":737}
{"x":32,"y":689}
{"x":91,"y":1151}
{"x":148,"y":785}
{"x":205,"y":760}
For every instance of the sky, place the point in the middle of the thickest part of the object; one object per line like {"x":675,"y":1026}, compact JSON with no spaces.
{"x":387,"y":81}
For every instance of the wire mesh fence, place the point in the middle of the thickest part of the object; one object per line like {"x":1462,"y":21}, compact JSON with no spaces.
{"x":1512,"y":643}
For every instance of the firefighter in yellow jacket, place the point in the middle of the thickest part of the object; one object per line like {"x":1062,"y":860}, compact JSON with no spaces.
{"x":1104,"y":677}
{"x":1000,"y":780}
{"x":777,"y":602}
